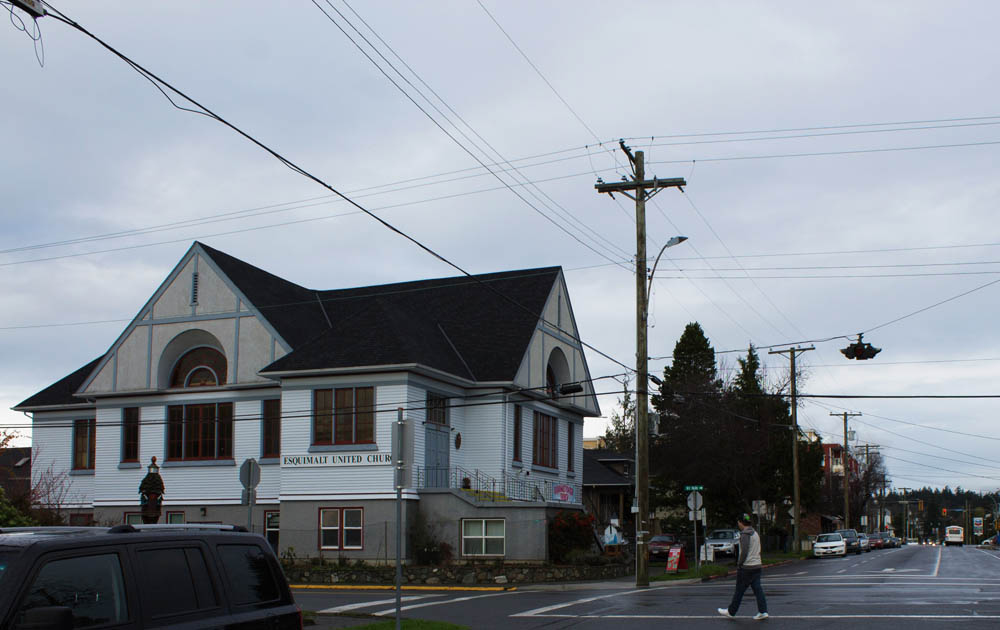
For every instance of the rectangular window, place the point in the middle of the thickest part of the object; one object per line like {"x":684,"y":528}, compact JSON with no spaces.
{"x":323,"y":416}
{"x":272,"y":527}
{"x":271,"y":428}
{"x":329,"y":529}
{"x":517,"y":433}
{"x":80,"y":520}
{"x":249,"y":577}
{"x":483,"y":537}
{"x":437,"y":409}
{"x":175,"y":518}
{"x":341,"y":528}
{"x":200,"y":431}
{"x":351,"y":420}
{"x":84,"y":443}
{"x":133,"y":518}
{"x":174,"y":582}
{"x":130,"y":434}
{"x":546,"y":441}
{"x":92,"y":588}
{"x":570,"y":435}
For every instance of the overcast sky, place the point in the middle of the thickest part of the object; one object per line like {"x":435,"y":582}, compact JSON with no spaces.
{"x":866,"y":191}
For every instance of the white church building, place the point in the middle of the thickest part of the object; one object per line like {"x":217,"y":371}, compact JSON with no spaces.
{"x":226,"y":362}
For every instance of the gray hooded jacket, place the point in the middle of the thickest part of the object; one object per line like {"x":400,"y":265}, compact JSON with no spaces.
{"x":749,"y":549}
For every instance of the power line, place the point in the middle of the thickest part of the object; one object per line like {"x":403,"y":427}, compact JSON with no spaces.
{"x":202,"y":110}
{"x":736,"y":158}
{"x":430,"y":117}
{"x":957,"y":472}
{"x":385,"y":408}
{"x":823,"y":127}
{"x":905,"y":437}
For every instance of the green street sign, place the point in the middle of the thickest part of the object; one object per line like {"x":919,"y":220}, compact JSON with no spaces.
{"x":693,"y":488}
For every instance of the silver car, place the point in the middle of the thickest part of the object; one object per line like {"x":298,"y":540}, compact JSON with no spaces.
{"x":723,"y":541}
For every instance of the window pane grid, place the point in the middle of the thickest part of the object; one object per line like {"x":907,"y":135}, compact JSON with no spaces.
{"x":200,"y":431}
{"x":344,"y":416}
{"x":546,"y":441}
{"x":271,"y":428}
{"x":483,"y":537}
{"x":130,"y":434}
{"x":341,"y":528}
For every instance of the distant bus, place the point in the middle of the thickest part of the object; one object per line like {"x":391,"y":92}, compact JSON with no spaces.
{"x":954,"y":535}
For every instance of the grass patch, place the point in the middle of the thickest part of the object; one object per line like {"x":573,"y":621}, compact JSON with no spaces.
{"x":772,"y":557}
{"x":412,"y":624}
{"x":707,"y":570}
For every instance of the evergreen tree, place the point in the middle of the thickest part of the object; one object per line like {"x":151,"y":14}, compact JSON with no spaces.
{"x":620,"y":434}
{"x":10,"y":516}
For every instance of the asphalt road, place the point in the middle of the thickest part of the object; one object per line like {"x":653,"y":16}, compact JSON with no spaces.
{"x":912,"y":587}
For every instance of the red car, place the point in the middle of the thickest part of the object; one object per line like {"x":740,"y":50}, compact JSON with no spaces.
{"x":659,"y":545}
{"x":876,"y":541}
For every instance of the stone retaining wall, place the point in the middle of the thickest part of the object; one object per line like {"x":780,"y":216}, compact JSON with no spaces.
{"x":470,"y":574}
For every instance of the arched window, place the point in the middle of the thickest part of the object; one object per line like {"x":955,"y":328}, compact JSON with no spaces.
{"x":556,"y":372}
{"x":200,"y":367}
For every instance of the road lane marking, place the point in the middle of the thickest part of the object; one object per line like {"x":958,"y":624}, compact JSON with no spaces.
{"x":929,"y":617}
{"x":938,"y":565}
{"x":392,"y":611}
{"x":988,"y":553}
{"x":545,"y":609}
{"x":842,"y":571}
{"x":380,"y":602}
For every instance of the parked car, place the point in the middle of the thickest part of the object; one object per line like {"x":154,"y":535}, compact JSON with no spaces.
{"x":894,"y":542}
{"x":659,"y":545}
{"x":829,"y":545}
{"x":723,"y":541}
{"x":877,"y":540}
{"x":864,"y":542}
{"x":851,"y":538}
{"x":162,"y":576}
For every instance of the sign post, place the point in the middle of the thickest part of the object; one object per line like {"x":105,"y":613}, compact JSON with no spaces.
{"x":250,"y":477}
{"x":694,"y":505}
{"x":399,"y":513}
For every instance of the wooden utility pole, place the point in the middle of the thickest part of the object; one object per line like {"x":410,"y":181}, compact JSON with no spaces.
{"x":797,"y":507}
{"x":847,"y":471}
{"x":640,"y":189}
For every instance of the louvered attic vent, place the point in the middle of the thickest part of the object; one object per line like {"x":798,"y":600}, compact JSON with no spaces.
{"x":194,"y":288}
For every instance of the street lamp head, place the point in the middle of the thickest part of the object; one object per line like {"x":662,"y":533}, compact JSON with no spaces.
{"x":676,"y":240}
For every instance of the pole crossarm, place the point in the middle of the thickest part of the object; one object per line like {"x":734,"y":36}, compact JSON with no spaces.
{"x":647,"y":184}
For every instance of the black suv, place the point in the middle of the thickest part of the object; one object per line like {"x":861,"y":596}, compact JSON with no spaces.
{"x":153,"y":576}
{"x":851,"y":540}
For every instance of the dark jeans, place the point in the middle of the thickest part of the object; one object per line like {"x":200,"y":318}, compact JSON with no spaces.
{"x":748,"y":578}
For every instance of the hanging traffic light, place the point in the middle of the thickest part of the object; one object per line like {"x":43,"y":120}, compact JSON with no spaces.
{"x":860,"y":350}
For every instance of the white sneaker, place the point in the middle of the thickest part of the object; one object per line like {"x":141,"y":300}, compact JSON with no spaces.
{"x":724,"y":612}
{"x":759,"y":616}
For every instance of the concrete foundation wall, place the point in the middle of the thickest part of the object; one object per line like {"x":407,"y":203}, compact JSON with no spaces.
{"x":300,"y":531}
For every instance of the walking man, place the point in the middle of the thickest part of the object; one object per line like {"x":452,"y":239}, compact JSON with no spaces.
{"x":748,"y":568}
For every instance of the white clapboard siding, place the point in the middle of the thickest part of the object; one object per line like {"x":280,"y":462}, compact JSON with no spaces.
{"x":340,"y":481}
{"x":52,"y":459}
{"x":482,"y":438}
{"x":112,"y":484}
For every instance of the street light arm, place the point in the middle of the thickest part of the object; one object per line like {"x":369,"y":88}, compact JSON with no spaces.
{"x":676,"y":240}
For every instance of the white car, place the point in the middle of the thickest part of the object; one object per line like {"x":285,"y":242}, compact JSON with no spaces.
{"x":829,"y":545}
{"x":724,"y":541}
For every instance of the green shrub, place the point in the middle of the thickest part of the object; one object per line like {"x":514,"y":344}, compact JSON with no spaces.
{"x":569,"y":531}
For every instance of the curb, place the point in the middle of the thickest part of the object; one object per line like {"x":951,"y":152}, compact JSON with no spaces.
{"x":383,"y":587}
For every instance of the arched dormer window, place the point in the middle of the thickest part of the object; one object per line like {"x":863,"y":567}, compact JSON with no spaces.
{"x":200,"y":367}
{"x":557,"y":372}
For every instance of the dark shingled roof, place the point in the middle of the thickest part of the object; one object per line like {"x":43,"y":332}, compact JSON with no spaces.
{"x":597,"y":474}
{"x":463,"y":326}
{"x":471,"y":327}
{"x":61,"y":392}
